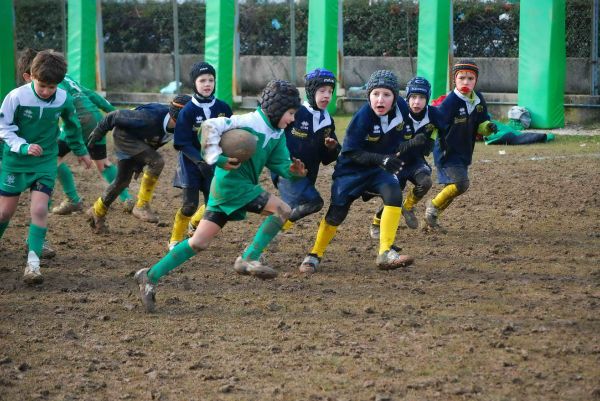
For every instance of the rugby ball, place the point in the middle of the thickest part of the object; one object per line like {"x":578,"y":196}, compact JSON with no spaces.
{"x":238,"y":143}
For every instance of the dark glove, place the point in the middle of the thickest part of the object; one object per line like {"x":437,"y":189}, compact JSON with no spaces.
{"x":392,"y":164}
{"x":205,"y":169}
{"x":94,"y":137}
{"x":416,"y":142}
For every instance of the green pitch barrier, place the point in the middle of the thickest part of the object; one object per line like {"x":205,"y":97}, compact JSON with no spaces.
{"x":542,"y":61}
{"x":432,"y":49}
{"x":321,"y":47}
{"x":81,"y":44}
{"x":218,"y":44}
{"x":7,"y":48}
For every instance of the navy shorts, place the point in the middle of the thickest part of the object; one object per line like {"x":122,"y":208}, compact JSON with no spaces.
{"x":188,"y":175}
{"x":409,"y":174}
{"x":346,"y":188}
{"x":297,"y":192}
{"x":451,"y":174}
{"x":98,"y":152}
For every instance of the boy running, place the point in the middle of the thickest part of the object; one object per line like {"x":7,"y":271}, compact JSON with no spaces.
{"x":425,"y":120}
{"x":29,"y":120}
{"x":465,"y":114}
{"x":193,"y":174}
{"x":137,"y":135}
{"x":312,"y":139}
{"x":235,"y":189}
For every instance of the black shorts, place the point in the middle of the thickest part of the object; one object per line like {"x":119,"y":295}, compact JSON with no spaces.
{"x":98,"y":152}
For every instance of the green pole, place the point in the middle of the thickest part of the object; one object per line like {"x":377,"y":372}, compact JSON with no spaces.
{"x":7,"y":48}
{"x":542,"y":61}
{"x":432,"y":47}
{"x":220,"y":30}
{"x":322,"y":39}
{"x":81,"y":48}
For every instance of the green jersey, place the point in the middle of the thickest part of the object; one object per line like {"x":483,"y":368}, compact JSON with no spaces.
{"x":88,"y":104}
{"x":231,"y":190}
{"x":25,"y":119}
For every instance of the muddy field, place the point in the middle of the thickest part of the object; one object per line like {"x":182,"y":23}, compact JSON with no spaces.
{"x":504,"y":306}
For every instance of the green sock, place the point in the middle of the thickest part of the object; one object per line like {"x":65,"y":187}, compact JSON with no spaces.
{"x":110,"y":173}
{"x":65,"y":177}
{"x":3,"y":226}
{"x":182,"y":252}
{"x":36,"y":238}
{"x":267,"y":230}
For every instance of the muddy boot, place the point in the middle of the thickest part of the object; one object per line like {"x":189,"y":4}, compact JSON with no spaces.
{"x":374,"y":231}
{"x":144,"y":213}
{"x":32,"y":275}
{"x":310,"y":264}
{"x":128,"y":205}
{"x":391,"y":259}
{"x":431,"y":216}
{"x":410,"y":218}
{"x":147,"y":290}
{"x":47,"y":251}
{"x":67,"y":207}
{"x":97,"y":223}
{"x":254,"y":268}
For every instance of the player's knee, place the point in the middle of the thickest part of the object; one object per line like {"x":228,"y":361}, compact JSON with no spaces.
{"x":188,"y":209}
{"x":156,"y":165}
{"x":283,"y":211}
{"x":462,"y":186}
{"x":423,"y":186}
{"x":306,"y":209}
{"x":197,"y":244}
{"x":39,"y":211}
{"x":336,"y":215}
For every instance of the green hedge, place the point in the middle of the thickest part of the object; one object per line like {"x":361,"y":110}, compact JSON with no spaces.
{"x":387,"y":28}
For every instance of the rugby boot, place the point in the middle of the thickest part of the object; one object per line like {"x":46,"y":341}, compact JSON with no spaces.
{"x":391,"y":259}
{"x":431,"y":216}
{"x":374,"y":231}
{"x":32,"y":273}
{"x":128,"y":205}
{"x":147,"y":290}
{"x":410,"y":218}
{"x":144,"y":213}
{"x":253,"y":268}
{"x":97,"y":223}
{"x":310,"y":264}
{"x":67,"y":207}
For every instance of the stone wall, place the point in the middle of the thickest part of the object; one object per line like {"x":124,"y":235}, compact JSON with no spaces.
{"x":143,"y":72}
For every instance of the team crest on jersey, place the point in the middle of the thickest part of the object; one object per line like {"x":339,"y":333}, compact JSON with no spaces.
{"x":479,"y":108}
{"x":462,"y":111}
{"x":199,"y":119}
{"x":27,"y":113}
{"x":377,"y":129}
{"x":304,"y":125}
{"x":10,"y":180}
{"x":299,"y":134}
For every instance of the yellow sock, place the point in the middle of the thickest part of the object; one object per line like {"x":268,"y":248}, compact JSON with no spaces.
{"x":445,"y":197}
{"x":390,"y":219}
{"x":376,"y":221}
{"x":100,"y":208}
{"x":410,"y":201}
{"x":180,"y":226}
{"x":146,"y":189}
{"x":324,"y":237}
{"x":197,"y":216}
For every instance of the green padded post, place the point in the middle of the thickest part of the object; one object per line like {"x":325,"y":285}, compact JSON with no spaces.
{"x":432,"y":49}
{"x":7,"y":48}
{"x":542,"y":61}
{"x":81,"y":45}
{"x":219,"y":34}
{"x":322,"y":39}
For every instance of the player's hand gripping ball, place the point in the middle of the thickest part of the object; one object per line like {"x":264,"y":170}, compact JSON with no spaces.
{"x":238,"y":143}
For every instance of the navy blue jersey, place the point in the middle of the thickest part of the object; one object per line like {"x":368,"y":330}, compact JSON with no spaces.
{"x":189,"y":120}
{"x":306,"y":139}
{"x":371,"y":133}
{"x":431,"y":121}
{"x":456,"y":145}
{"x":147,"y":123}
